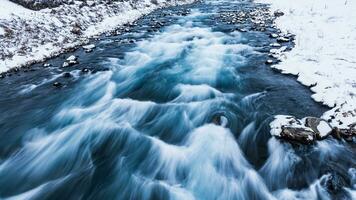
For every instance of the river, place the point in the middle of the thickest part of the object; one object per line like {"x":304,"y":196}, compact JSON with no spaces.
{"x":134,"y":119}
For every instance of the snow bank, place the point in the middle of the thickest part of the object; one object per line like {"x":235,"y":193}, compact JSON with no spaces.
{"x":27,"y":36}
{"x":324,"y":56}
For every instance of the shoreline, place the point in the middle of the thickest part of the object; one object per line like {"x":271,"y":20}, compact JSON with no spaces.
{"x":323,"y":58}
{"x":62,"y":29}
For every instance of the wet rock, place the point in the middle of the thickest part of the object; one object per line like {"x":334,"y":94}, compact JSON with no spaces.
{"x":220,"y":120}
{"x":85,"y":70}
{"x":67,"y":75}
{"x":321,"y":127}
{"x":299,"y":134}
{"x":65,"y":64}
{"x":47,"y":65}
{"x":57,"y":84}
{"x":333,"y":182}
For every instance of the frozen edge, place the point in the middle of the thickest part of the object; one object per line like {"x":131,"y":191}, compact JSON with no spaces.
{"x":324,"y":56}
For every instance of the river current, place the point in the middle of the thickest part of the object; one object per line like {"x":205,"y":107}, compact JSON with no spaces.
{"x":178,"y":110}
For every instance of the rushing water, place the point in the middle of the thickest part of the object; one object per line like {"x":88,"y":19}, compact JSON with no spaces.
{"x":139,"y":125}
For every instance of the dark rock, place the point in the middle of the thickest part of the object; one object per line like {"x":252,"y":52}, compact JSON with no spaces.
{"x":57,"y":84}
{"x":67,"y":75}
{"x":278,"y":13}
{"x":298,"y":134}
{"x":76,"y":30}
{"x":47,"y":65}
{"x":347,"y":134}
{"x":220,"y":120}
{"x":85,"y":70}
{"x":334,"y":183}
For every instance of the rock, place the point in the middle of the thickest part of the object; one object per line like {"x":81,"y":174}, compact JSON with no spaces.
{"x":67,"y":75}
{"x":47,"y":65}
{"x":333,"y":182}
{"x":282,"y":39}
{"x":89,"y":48}
{"x":321,"y":127}
{"x":65,"y":64}
{"x":299,"y":134}
{"x":274,"y":35}
{"x":220,"y":120}
{"x":71,"y":60}
{"x":278,"y":13}
{"x":269,"y":62}
{"x":76,"y":30}
{"x":85,"y":70}
{"x":275,"y":45}
{"x":57,"y":84}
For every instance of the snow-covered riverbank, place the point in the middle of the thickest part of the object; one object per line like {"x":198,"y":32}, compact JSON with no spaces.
{"x":324,"y":57}
{"x":27,"y":36}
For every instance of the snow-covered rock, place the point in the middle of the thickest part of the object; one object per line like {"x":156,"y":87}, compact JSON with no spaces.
{"x":308,"y":129}
{"x":89,"y":48}
{"x":324,"y":56}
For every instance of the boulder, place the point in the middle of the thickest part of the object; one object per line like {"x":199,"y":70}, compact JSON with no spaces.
{"x":67,"y":75}
{"x":298,"y":134}
{"x":347,"y":134}
{"x":321,"y":127}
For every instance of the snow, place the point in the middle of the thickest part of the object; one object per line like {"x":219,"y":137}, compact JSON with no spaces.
{"x":33,"y":36}
{"x":9,"y":9}
{"x":286,"y":121}
{"x":324,"y":55}
{"x":324,"y":129}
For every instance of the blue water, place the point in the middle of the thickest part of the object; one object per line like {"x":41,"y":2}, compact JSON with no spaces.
{"x":139,"y":124}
